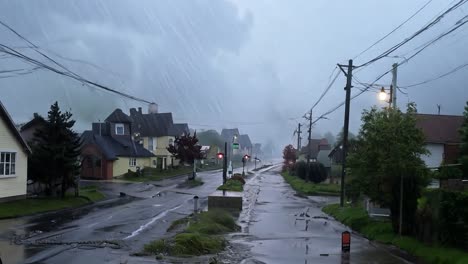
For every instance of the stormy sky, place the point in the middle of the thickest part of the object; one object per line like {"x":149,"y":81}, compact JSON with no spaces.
{"x":256,"y":65}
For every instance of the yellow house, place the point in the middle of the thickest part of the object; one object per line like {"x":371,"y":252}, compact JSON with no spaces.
{"x":156,"y":131}
{"x":109,"y":149}
{"x":13,"y":159}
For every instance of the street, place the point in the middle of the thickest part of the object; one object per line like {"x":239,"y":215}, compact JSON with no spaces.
{"x":281,"y":227}
{"x":278,"y":226}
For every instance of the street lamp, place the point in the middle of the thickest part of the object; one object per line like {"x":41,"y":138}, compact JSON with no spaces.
{"x":382,"y":95}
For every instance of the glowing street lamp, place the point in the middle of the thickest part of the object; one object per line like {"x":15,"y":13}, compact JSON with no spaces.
{"x":382,"y":95}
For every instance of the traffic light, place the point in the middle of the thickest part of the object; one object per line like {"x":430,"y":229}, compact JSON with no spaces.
{"x":245,"y":158}
{"x":220,"y":155}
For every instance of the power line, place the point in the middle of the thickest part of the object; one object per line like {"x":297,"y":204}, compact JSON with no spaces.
{"x":436,"y":78}
{"x":417,"y":33}
{"x":326,"y":90}
{"x":68,"y":73}
{"x":395,"y":29}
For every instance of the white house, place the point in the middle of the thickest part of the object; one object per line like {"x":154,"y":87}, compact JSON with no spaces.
{"x":13,"y":159}
{"x":442,"y":138}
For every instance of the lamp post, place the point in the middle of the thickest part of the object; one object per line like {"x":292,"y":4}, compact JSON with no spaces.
{"x":244,"y":160}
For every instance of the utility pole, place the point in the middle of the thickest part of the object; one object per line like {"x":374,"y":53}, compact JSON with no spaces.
{"x":349,"y":78}
{"x":225,"y":163}
{"x":394,"y":85}
{"x":394,"y":106}
{"x":299,"y":136}
{"x":309,"y":146}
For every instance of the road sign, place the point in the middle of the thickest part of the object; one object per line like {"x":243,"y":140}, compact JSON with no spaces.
{"x":235,"y":145}
{"x":345,"y":241}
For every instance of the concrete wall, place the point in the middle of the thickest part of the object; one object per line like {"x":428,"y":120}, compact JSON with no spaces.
{"x":434,"y":159}
{"x":13,"y":185}
{"x":121,"y":166}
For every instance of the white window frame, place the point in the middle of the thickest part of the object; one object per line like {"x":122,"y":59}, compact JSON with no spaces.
{"x":132,"y":162}
{"x":11,"y":163}
{"x":151,"y":143}
{"x":171,"y":141}
{"x":155,"y":143}
{"x":117,"y":126}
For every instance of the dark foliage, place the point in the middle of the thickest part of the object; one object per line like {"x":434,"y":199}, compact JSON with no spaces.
{"x":186,"y":148}
{"x":318,"y":173}
{"x":54,"y":161}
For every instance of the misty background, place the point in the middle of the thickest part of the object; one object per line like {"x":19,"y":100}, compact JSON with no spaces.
{"x":255,"y":65}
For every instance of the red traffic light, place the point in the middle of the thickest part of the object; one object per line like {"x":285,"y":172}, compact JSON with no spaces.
{"x":220,"y":155}
{"x":246,"y":157}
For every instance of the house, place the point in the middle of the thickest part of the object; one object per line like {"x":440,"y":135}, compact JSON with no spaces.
{"x":316,"y":145}
{"x":245,"y":145}
{"x":109,"y":149}
{"x":336,"y":154}
{"x":442,"y":138}
{"x":13,"y":159}
{"x":27,"y":130}
{"x":156,"y":131}
{"x":257,"y":149}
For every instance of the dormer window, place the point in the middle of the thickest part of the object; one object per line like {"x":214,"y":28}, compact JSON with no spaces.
{"x":119,"y":129}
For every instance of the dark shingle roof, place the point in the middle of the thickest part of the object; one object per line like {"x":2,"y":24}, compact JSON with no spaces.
{"x":152,"y":125}
{"x":244,"y":141}
{"x":112,"y":148}
{"x":316,"y":146}
{"x":11,"y":126}
{"x":440,"y":128}
{"x":118,"y":117}
{"x":178,"y":129}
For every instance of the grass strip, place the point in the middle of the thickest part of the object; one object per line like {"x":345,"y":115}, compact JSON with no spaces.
{"x":310,"y":188}
{"x":381,"y":231}
{"x":31,"y":206}
{"x":200,"y":237}
{"x":232,"y":185}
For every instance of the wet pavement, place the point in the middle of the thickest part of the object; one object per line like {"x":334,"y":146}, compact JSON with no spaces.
{"x":280,"y":227}
{"x":107,"y":232}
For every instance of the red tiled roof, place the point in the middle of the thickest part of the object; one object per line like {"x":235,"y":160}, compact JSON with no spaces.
{"x":440,"y":128}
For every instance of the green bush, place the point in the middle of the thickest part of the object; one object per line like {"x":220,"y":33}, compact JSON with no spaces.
{"x":443,"y":218}
{"x":317,"y":172}
{"x":238,"y":177}
{"x":451,"y":172}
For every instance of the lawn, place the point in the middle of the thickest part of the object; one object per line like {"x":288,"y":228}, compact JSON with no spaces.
{"x":310,"y":188}
{"x":152,"y":174}
{"x":357,"y":219}
{"x":200,"y":236}
{"x":31,"y":206}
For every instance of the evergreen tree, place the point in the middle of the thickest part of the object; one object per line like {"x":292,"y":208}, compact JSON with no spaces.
{"x":55,"y":152}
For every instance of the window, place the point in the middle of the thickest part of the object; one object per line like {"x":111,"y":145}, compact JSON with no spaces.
{"x":151,"y":143}
{"x":132,"y":162}
{"x":171,"y":141}
{"x":119,"y":129}
{"x":7,"y":163}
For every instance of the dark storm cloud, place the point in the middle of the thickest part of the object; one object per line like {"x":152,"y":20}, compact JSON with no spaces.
{"x":158,"y":50}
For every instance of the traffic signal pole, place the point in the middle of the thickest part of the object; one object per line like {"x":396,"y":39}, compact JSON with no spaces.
{"x":225,"y":163}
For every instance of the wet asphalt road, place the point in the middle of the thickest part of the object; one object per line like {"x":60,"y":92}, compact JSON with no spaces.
{"x":281,"y":227}
{"x":273,"y":229}
{"x":132,"y":222}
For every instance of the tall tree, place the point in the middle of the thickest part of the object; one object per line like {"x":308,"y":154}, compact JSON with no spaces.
{"x":339,"y":137}
{"x":55,"y":152}
{"x":388,"y":149}
{"x":464,"y":145}
{"x":186,"y":148}
{"x":210,"y":138}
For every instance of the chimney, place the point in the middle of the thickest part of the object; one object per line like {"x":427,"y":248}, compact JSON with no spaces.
{"x":139,"y":110}
{"x":153,"y":108}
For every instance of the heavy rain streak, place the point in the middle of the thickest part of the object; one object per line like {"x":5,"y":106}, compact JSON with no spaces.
{"x":123,"y":122}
